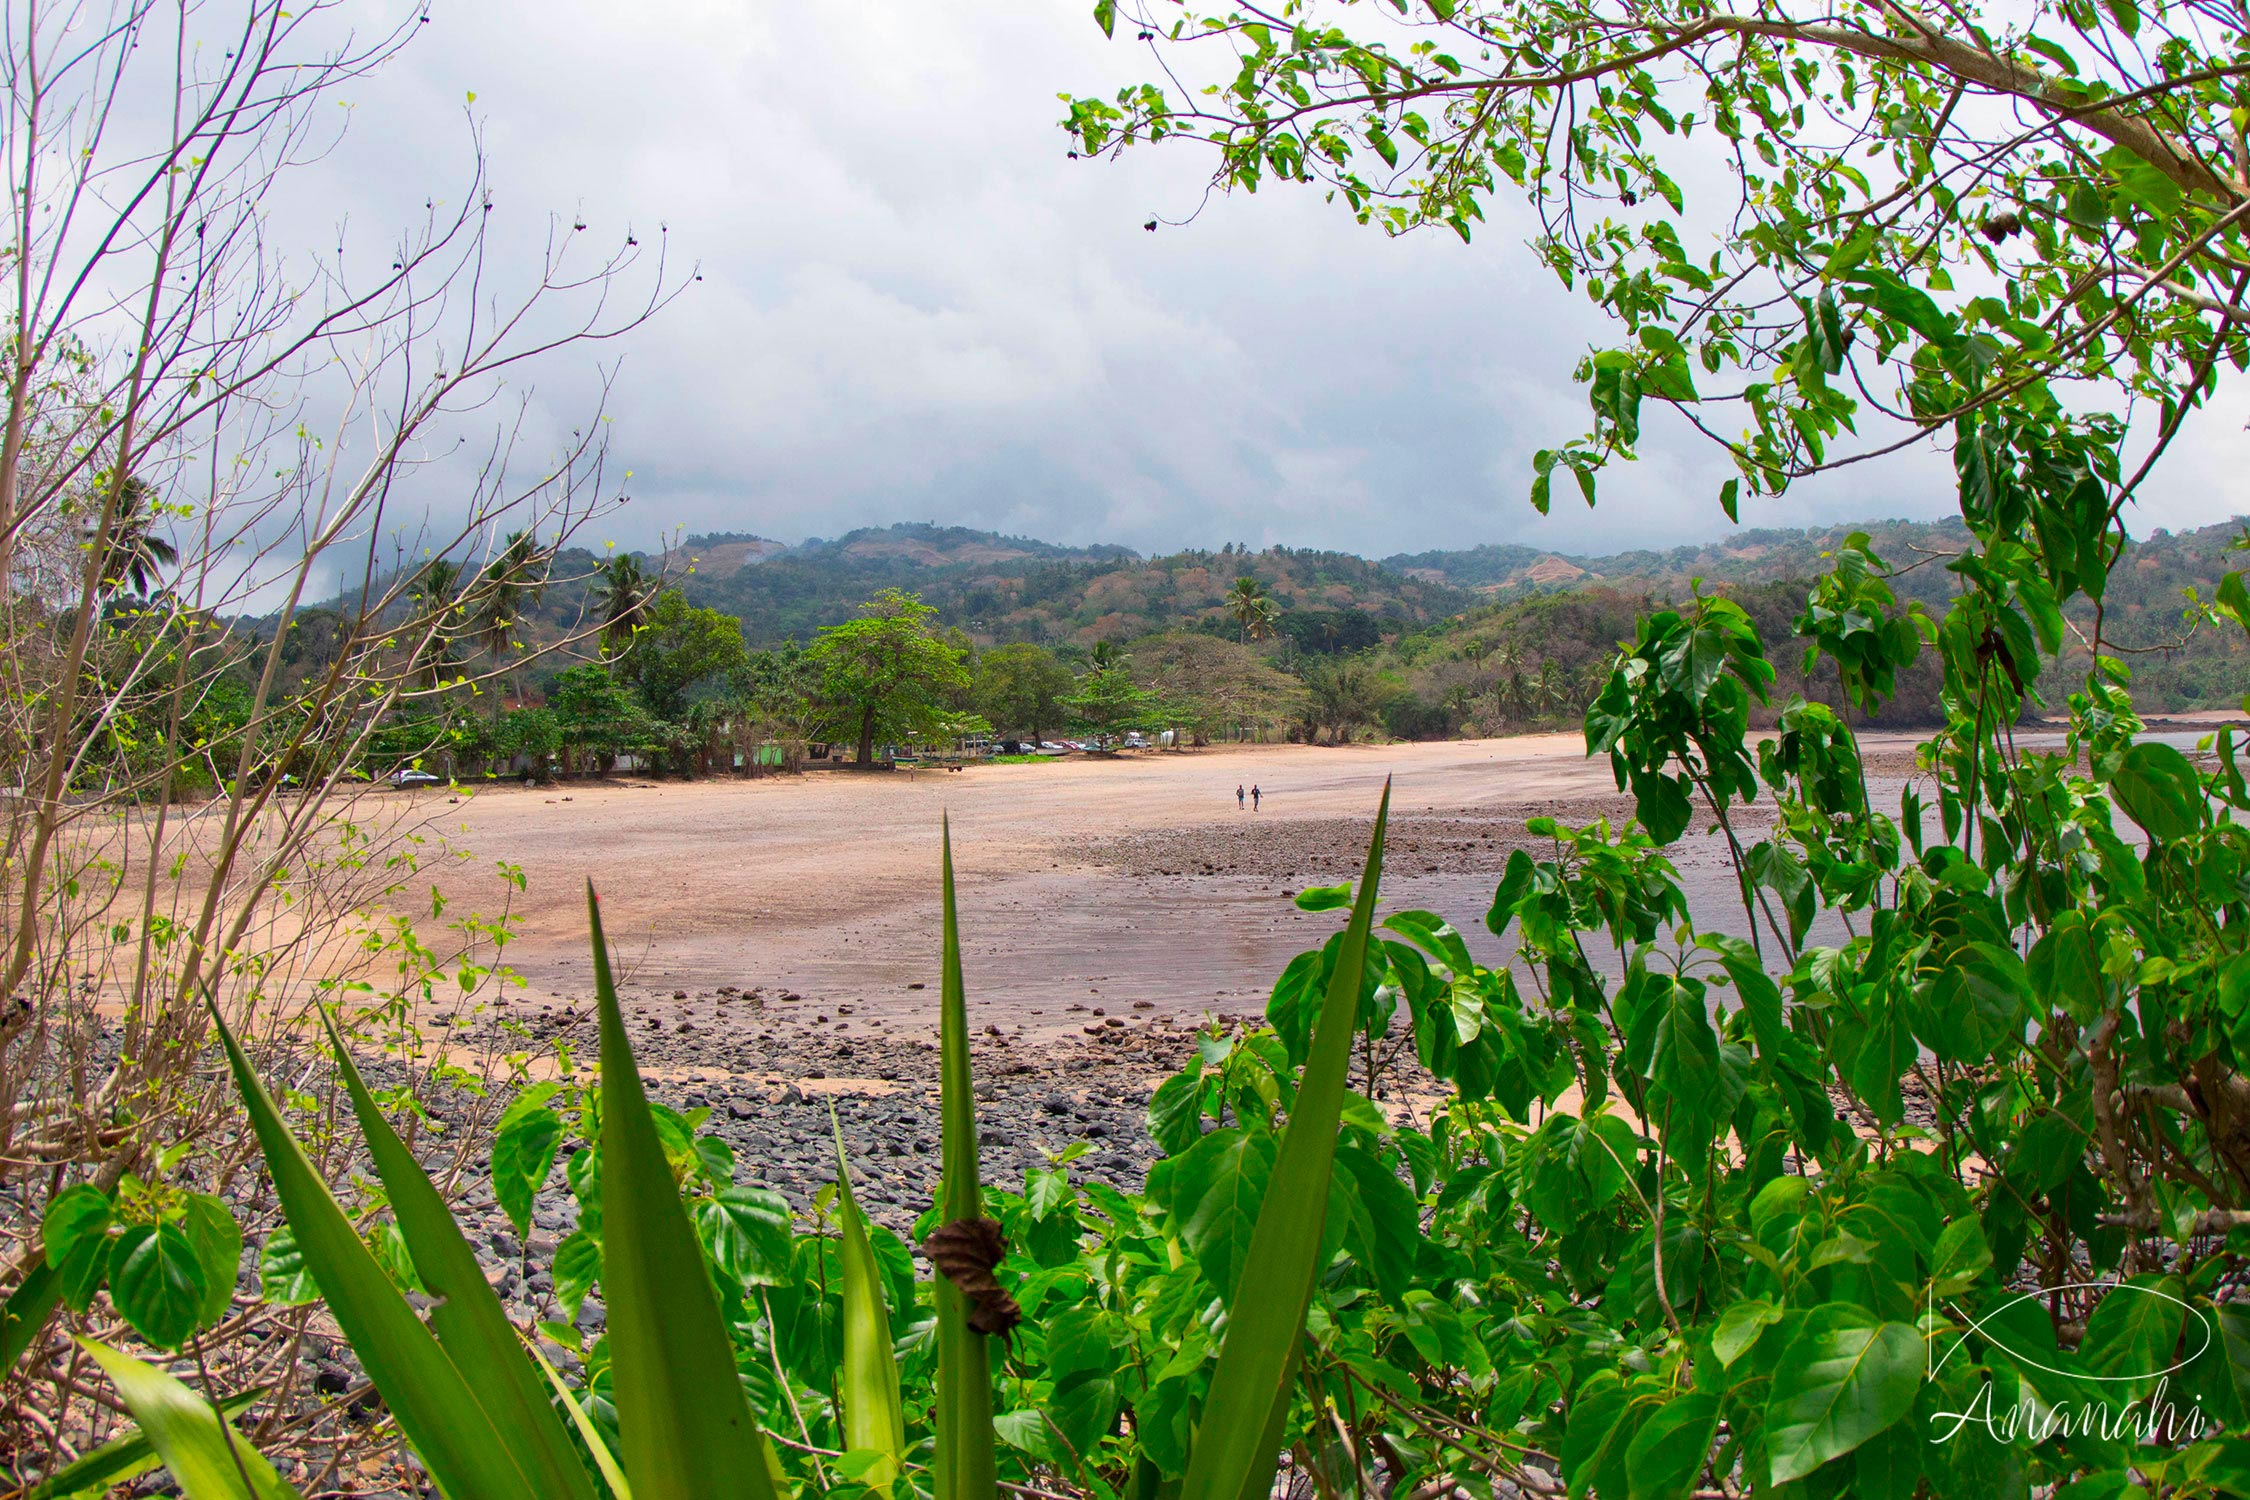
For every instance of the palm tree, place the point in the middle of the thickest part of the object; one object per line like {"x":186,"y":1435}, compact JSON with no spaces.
{"x":438,"y":592}
{"x":1252,"y":610}
{"x":623,"y":596}
{"x":132,"y":554}
{"x":508,"y":587}
{"x":1549,"y":687}
{"x":1267,"y":619}
{"x":1506,"y":658}
{"x":1592,"y":678}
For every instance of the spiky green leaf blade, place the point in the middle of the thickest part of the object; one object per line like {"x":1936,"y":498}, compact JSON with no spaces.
{"x":27,"y":1310}
{"x":874,"y":1411}
{"x":127,"y":1456}
{"x":1237,"y":1442}
{"x":207,"y":1456}
{"x":436,"y":1409}
{"x":591,"y":1435}
{"x":470,"y":1323}
{"x":967,"y":1455}
{"x":684,"y":1426}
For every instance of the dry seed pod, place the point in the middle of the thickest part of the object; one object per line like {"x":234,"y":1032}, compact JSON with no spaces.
{"x":966,"y":1251}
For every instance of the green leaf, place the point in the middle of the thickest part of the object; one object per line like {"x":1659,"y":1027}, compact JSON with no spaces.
{"x":283,"y":1276}
{"x":1841,"y":1380}
{"x":1961,"y":1256}
{"x":27,"y":1310}
{"x":78,"y":1213}
{"x":2064,"y":968}
{"x":2143,"y":185}
{"x":2134,"y":1332}
{"x":1175,"y":1110}
{"x":748,"y":1231}
{"x":1393,"y":1237}
{"x":578,"y":1265}
{"x":523,"y":1153}
{"x":1730,"y":498}
{"x":967,"y":1458}
{"x":2160,"y":791}
{"x":1739,"y":1326}
{"x":1666,"y":1454}
{"x":203,"y":1452}
{"x":217,"y":1238}
{"x":1218,"y":1185}
{"x":157,"y":1282}
{"x":685,"y":1429}
{"x":1595,"y":1435}
{"x":125,"y":1457}
{"x":471,"y":1326}
{"x":1105,"y":16}
{"x":874,"y":1414}
{"x":436,"y":1409}
{"x":1238,"y":1442}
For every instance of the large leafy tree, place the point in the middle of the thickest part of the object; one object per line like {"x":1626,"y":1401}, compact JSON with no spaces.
{"x":680,"y":648}
{"x":1212,"y":686}
{"x":887,"y":674}
{"x":1109,"y":703}
{"x":595,"y":714}
{"x":1019,"y":688}
{"x":1342,"y":696}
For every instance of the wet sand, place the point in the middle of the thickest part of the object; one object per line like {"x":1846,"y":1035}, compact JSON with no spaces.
{"x":1131,"y":884}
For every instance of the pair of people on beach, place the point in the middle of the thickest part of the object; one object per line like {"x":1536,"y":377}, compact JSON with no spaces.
{"x":1254,"y":795}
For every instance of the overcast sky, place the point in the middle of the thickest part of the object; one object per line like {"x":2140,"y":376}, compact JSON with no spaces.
{"x":915,"y":306}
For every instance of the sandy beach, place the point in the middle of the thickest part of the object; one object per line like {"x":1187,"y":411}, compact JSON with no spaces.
{"x":1131,"y":884}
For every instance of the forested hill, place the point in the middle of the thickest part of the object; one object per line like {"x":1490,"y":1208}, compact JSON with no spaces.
{"x":1002,"y":588}
{"x":1505,"y":572}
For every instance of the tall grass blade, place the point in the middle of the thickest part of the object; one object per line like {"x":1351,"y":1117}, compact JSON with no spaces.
{"x":683,"y":1423}
{"x":27,"y":1310}
{"x":438,"y":1411}
{"x":125,"y":1457}
{"x":1238,"y":1440}
{"x":591,"y":1435}
{"x":874,"y":1414}
{"x":468,"y":1318}
{"x":967,"y":1464}
{"x":206,"y":1455}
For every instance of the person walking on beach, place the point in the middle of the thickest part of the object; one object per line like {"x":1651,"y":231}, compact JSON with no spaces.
{"x":1254,"y":798}
{"x":1238,"y":796}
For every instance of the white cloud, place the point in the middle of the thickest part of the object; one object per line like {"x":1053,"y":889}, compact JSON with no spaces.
{"x":916,"y":306}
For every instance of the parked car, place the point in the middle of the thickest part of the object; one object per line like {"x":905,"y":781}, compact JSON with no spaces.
{"x":405,"y":778}
{"x":1136,"y":742}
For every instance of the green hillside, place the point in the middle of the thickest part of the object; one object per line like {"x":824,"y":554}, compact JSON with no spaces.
{"x":998,"y":589}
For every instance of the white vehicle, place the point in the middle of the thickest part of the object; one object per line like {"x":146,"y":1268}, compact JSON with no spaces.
{"x":406,"y":778}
